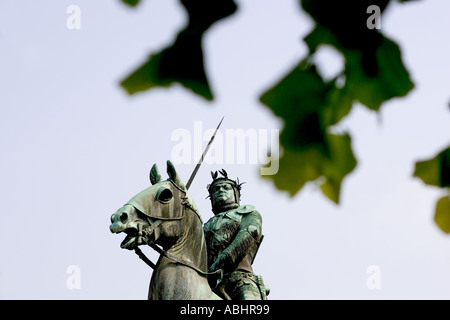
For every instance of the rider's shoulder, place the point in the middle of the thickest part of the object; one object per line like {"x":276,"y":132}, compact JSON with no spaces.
{"x":245,"y":209}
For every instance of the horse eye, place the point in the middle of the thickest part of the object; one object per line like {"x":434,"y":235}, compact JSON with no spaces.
{"x":124,"y":216}
{"x":164,"y":195}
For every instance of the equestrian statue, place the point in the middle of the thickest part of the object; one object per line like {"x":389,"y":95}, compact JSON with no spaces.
{"x":210,"y":261}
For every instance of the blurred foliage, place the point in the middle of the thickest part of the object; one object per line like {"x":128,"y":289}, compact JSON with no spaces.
{"x":132,"y":3}
{"x":309,"y":151}
{"x":309,"y":105}
{"x":436,"y":172}
{"x":373,"y":73}
{"x":442,"y":214}
{"x":182,"y":61}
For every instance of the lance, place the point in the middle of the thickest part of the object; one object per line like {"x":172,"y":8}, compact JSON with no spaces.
{"x":188,"y":184}
{"x":137,"y":250}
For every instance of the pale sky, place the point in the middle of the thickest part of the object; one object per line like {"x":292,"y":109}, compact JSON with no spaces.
{"x":75,"y":147}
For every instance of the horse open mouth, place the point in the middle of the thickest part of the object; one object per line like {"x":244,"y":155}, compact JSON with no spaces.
{"x":130,"y":240}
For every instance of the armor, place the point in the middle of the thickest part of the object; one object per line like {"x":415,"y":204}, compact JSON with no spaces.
{"x":233,"y":236}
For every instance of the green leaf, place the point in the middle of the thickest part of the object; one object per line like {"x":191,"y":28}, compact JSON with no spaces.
{"x":390,"y":80}
{"x":341,"y":163}
{"x":309,"y":106}
{"x":442,"y":215}
{"x":338,"y":104}
{"x":182,"y":62}
{"x":299,"y":166}
{"x":373,"y":74}
{"x":298,"y":99}
{"x":346,"y":21}
{"x":436,"y":171}
{"x":132,"y":3}
{"x":374,"y":70}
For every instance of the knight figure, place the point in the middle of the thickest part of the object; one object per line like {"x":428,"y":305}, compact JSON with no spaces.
{"x":233,"y":236}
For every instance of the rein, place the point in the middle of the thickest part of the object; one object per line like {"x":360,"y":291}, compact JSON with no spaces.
{"x":161,"y":251}
{"x":168,"y":256}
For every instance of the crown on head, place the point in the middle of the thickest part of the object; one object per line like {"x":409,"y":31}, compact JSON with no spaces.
{"x":216,"y":179}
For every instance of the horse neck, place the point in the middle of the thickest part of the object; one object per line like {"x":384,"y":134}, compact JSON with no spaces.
{"x":179,"y":281}
{"x":191,"y":246}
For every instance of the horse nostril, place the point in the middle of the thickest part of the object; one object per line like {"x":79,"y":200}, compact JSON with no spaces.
{"x":123,"y":217}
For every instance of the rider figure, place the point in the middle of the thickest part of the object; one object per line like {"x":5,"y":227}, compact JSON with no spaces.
{"x":233,"y":236}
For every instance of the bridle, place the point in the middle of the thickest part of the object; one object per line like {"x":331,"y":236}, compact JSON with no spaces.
{"x":154,"y":222}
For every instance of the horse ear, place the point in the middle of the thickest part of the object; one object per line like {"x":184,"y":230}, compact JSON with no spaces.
{"x":173,"y":175}
{"x":155,"y":177}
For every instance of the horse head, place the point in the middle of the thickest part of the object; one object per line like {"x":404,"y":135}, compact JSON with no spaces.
{"x":153,"y":215}
{"x":164,"y":214}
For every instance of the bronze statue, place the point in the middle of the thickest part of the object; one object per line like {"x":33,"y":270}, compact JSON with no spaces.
{"x":233,"y":236}
{"x":165,"y":217}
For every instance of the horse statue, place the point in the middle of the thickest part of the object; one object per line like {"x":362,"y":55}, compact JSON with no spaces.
{"x":165,"y":217}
